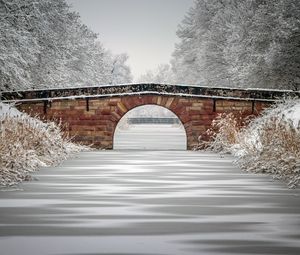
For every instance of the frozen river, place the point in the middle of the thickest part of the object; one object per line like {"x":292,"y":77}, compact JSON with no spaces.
{"x":150,"y":137}
{"x":149,"y":203}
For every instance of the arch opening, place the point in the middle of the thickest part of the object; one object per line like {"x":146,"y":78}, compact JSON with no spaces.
{"x":150,"y":127}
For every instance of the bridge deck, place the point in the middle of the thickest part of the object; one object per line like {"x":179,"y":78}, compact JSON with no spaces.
{"x":148,"y":88}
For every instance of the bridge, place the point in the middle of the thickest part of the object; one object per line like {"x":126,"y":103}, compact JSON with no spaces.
{"x":152,"y":120}
{"x":91,"y":114}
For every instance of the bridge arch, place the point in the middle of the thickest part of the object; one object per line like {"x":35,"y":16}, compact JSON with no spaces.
{"x":180,"y":106}
{"x":182,"y":134}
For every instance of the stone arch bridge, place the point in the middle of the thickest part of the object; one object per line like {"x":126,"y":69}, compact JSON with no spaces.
{"x":92,"y":113}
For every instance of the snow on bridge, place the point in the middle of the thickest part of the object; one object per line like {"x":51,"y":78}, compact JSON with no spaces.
{"x":147,"y":88}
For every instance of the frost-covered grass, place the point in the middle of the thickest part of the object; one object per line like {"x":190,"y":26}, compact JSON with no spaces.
{"x":27,"y":144}
{"x":268,"y":144}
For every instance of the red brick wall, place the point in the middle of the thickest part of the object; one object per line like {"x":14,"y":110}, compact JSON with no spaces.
{"x":96,"y":125}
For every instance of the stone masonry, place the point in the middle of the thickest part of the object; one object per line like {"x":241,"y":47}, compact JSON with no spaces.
{"x":94,"y":120}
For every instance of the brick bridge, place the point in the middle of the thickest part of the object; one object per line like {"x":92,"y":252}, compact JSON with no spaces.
{"x":92,"y":113}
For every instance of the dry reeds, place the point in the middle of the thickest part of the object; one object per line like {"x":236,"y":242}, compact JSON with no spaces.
{"x":224,"y":132}
{"x":268,"y":144}
{"x":27,"y":144}
{"x":273,"y":148}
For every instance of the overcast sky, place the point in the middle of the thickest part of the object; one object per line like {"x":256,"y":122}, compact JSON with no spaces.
{"x":144,"y":29}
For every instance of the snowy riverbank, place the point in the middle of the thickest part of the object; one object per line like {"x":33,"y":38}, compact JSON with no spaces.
{"x":268,"y":144}
{"x":27,"y":144}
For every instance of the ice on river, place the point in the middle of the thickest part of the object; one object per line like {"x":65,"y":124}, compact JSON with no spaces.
{"x":149,"y":202}
{"x":150,"y":137}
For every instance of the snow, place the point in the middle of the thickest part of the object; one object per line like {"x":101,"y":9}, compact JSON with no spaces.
{"x":293,"y":113}
{"x":218,"y":46}
{"x":135,"y":93}
{"x":27,"y":144}
{"x":289,"y":110}
{"x":45,"y":42}
{"x":60,"y":87}
{"x":271,"y":143}
{"x":8,"y":110}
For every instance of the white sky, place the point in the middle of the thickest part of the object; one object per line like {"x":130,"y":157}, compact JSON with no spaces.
{"x":144,"y":29}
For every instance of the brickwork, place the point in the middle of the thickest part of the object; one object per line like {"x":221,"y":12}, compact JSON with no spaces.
{"x":93,"y":121}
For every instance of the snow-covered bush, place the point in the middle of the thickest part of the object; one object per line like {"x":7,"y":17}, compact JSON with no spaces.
{"x":269,"y":144}
{"x":27,"y":143}
{"x":224,"y":132}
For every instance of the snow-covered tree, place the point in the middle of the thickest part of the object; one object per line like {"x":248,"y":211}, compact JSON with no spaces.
{"x":118,"y":69}
{"x":188,"y":50}
{"x":45,"y":44}
{"x":18,"y":47}
{"x":161,"y":74}
{"x":250,"y":43}
{"x":263,"y":44}
{"x":198,"y":57}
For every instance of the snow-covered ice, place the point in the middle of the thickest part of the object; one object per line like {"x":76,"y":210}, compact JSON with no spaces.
{"x":151,"y":137}
{"x":149,"y":202}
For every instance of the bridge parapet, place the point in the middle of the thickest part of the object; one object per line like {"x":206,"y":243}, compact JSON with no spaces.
{"x":150,"y":89}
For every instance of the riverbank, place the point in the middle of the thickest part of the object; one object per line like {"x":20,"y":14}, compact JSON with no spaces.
{"x":28,"y":144}
{"x":269,"y":143}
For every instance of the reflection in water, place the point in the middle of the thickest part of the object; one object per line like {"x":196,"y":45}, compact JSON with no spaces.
{"x":149,"y":203}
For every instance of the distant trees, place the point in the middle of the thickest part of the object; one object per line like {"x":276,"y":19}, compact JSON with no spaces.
{"x":119,"y":71}
{"x":44,"y":44}
{"x":249,"y":43}
{"x":162,"y":74}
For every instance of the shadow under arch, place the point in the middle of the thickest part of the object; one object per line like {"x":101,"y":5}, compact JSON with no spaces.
{"x":174,"y":115}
